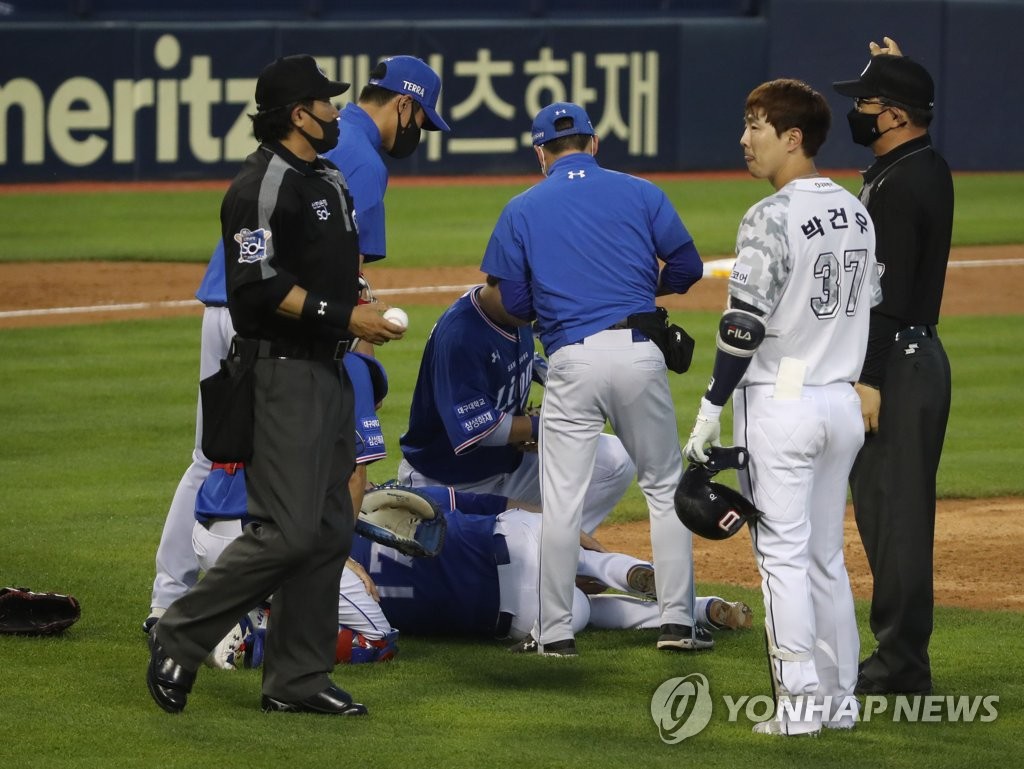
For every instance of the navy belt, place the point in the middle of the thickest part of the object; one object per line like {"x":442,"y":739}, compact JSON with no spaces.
{"x":915,"y":332}
{"x":637,"y":335}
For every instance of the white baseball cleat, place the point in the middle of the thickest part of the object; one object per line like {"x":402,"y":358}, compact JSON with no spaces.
{"x":777,"y":728}
{"x":227,"y":653}
{"x":640,"y":579}
{"x":732,"y":616}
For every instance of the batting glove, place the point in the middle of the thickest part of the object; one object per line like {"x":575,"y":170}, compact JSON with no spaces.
{"x":707,"y":429}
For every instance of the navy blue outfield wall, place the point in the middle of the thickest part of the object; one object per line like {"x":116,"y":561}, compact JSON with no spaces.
{"x":160,"y":100}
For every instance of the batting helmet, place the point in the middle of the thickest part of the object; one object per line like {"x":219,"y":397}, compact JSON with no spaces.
{"x":710,"y":509}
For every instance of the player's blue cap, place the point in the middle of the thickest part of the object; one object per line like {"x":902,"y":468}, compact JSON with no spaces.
{"x":544,"y":124}
{"x":409,"y":75}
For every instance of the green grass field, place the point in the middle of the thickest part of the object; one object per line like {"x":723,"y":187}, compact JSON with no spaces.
{"x":427,"y":226}
{"x":98,"y":426}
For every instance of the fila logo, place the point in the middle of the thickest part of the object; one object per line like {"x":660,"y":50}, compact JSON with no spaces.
{"x":323,"y":309}
{"x":581,"y":174}
{"x":911,"y":349}
{"x":738,"y":333}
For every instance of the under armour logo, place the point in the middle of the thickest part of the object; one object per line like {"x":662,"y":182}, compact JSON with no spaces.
{"x":494,"y":357}
{"x":561,"y":112}
{"x":910,"y":349}
{"x":323,"y":309}
{"x":581,"y":174}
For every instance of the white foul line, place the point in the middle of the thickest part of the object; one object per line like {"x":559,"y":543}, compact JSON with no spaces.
{"x":718,"y":268}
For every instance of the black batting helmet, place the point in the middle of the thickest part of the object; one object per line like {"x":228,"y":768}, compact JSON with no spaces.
{"x":710,"y":509}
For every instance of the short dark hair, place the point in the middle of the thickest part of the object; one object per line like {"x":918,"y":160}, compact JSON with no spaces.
{"x":789,"y":103}
{"x":575,"y":142}
{"x":918,"y":116}
{"x":275,"y":124}
{"x":374,"y":94}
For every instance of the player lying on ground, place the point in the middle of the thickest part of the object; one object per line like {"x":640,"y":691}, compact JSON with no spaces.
{"x":482,"y":585}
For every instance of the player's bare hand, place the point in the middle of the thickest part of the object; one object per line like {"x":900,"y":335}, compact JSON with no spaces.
{"x":587,"y":542}
{"x":366,"y":579}
{"x":870,"y":405}
{"x":888,"y":46}
{"x":368,"y":324}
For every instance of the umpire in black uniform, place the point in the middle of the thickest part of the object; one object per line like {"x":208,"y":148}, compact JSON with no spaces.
{"x":292,"y":263}
{"x":905,"y":383}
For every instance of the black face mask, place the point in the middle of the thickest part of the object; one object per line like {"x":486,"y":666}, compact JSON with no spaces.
{"x":407,"y":137}
{"x":864,"y":127}
{"x":329,"y":140}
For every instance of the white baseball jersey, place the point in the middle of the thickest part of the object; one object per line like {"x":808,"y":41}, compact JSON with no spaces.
{"x":805,"y":256}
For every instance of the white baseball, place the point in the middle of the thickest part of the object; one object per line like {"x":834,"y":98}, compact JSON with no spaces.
{"x":397,"y":316}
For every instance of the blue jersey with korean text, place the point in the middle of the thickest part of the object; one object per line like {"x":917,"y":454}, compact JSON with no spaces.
{"x":589,"y":242}
{"x":358,"y":157}
{"x":474,"y":373}
{"x":453,"y":593}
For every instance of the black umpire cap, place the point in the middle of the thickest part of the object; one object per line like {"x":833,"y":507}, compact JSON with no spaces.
{"x":896,"y":79}
{"x":293,"y":79}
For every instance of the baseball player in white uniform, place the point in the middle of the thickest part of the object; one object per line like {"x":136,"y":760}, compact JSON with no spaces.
{"x":791,"y":344}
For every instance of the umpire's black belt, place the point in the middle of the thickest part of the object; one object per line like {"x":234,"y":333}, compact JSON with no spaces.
{"x":317,"y":350}
{"x":915,"y":332}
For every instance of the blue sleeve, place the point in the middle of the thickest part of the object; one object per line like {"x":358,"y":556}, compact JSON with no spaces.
{"x":370,"y":445}
{"x":505,"y":256}
{"x":683,"y":268}
{"x":367,"y":187}
{"x":463,"y":392}
{"x":213,"y":291}
{"x":517,"y":299}
{"x":480,"y":504}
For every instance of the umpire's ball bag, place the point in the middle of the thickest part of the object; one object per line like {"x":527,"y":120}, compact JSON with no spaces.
{"x":228,"y":398}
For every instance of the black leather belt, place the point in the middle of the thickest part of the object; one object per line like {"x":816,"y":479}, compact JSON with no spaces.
{"x":313,"y":351}
{"x":915,"y":332}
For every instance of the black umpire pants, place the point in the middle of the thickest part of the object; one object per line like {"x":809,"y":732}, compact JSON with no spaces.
{"x":297,"y":490}
{"x":893,"y":485}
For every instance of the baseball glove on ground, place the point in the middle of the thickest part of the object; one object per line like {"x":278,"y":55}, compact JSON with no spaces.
{"x":28,"y":613}
{"x":403,"y":518}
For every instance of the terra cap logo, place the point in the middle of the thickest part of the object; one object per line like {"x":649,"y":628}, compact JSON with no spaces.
{"x":681,"y":707}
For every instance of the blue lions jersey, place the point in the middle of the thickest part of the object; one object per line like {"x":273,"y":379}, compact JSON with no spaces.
{"x":369,"y":434}
{"x":358,"y":157}
{"x":454,"y":593}
{"x":474,"y":373}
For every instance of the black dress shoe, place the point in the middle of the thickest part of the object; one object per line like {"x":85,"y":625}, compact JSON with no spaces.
{"x":867,"y":685}
{"x":332,"y":701}
{"x":169,"y":683}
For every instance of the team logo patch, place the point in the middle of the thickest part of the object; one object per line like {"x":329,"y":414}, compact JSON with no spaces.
{"x":252,"y":245}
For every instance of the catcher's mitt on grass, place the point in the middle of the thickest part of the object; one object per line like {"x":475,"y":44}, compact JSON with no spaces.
{"x":403,"y":518}
{"x":25,"y":612}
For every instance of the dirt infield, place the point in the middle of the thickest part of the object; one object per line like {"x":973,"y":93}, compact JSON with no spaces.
{"x":970,"y":571}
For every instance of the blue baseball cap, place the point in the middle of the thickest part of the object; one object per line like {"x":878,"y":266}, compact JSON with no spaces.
{"x":409,"y":75}
{"x":544,"y":124}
